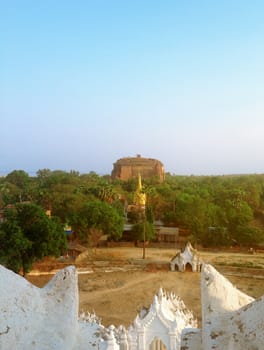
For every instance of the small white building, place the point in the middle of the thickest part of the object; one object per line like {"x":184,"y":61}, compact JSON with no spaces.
{"x":188,"y":256}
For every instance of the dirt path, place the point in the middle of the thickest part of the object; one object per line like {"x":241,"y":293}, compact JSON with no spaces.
{"x":117,"y":297}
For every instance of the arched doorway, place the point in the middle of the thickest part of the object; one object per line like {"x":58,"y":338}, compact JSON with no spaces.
{"x":188,"y":267}
{"x":157,"y":344}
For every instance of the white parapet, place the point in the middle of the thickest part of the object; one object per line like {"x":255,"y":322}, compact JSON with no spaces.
{"x":47,"y":318}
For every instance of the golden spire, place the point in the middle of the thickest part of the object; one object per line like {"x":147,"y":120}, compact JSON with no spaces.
{"x":139,"y":188}
{"x":140,"y":197}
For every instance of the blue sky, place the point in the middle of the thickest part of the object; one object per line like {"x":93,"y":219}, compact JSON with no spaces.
{"x":84,"y":83}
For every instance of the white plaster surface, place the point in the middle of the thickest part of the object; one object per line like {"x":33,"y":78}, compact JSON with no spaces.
{"x":218,"y":294}
{"x":41,"y":318}
{"x":231,"y":319}
{"x":164,"y":320}
{"x":47,"y":318}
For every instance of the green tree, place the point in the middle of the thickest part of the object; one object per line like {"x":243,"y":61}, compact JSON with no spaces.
{"x":249,"y":235}
{"x":19,"y":178}
{"x":99,"y":215}
{"x":216,"y":236}
{"x":13,"y":245}
{"x":32,"y":234}
{"x":8,"y":193}
{"x":138,"y":231}
{"x":22,"y":182}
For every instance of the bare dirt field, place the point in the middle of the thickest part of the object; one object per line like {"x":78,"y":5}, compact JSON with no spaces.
{"x":120,"y":282}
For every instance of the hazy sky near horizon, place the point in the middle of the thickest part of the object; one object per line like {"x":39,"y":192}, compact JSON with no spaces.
{"x":84,"y":83}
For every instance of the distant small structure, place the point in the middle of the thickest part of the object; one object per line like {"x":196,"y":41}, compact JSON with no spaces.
{"x":129,"y":168}
{"x":188,"y":256}
{"x":168,"y":234}
{"x":75,"y":249}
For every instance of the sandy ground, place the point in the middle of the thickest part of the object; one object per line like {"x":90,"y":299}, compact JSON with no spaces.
{"x":117,"y":297}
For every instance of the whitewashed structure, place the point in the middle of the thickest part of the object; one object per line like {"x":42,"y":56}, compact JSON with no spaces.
{"x":44,"y":318}
{"x":188,"y":256}
{"x":231,"y":320}
{"x":47,"y":318}
{"x":160,"y":326}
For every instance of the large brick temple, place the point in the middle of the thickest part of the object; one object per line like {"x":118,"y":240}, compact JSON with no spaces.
{"x":130,"y":167}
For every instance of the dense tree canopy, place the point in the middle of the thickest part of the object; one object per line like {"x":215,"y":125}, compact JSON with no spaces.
{"x":99,"y":215}
{"x":215,"y":210}
{"x":28,"y":234}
